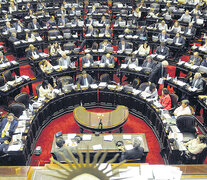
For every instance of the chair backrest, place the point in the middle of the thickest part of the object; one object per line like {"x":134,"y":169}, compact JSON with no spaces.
{"x":186,"y":123}
{"x":8,"y":76}
{"x":143,"y":86}
{"x":2,"y":82}
{"x":37,"y":89}
{"x":69,"y":46}
{"x":174,"y":100}
{"x":105,"y":78}
{"x":65,"y":80}
{"x":17,"y":109}
{"x":135,"y":83}
{"x":22,"y":98}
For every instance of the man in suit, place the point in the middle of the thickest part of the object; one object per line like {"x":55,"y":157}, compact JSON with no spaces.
{"x":62,"y":148}
{"x":195,"y":59}
{"x":13,"y":37}
{"x":163,"y":36}
{"x":61,"y":11}
{"x":162,"y":50}
{"x":204,"y":62}
{"x":148,"y":62}
{"x":178,"y":39}
{"x":7,"y":28}
{"x":104,"y":21}
{"x":87,"y":59}
{"x":85,"y":79}
{"x":160,"y":71}
{"x":3,"y":58}
{"x":19,"y":27}
{"x":107,"y":59}
{"x":65,"y":61}
{"x":135,"y":153}
{"x":34,"y":24}
{"x":103,"y":45}
{"x":107,"y":31}
{"x":62,"y":21}
{"x":123,"y":45}
{"x":32,"y":52}
{"x":198,"y":82}
{"x":7,"y":127}
{"x":190,"y":30}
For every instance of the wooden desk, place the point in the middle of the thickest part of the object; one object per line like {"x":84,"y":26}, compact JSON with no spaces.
{"x":107,"y":146}
{"x":110,"y":120}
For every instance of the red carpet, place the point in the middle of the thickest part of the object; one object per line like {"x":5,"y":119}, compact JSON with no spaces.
{"x":67,"y":124}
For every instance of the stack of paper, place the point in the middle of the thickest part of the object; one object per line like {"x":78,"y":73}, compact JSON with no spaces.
{"x":108,"y":137}
{"x":86,"y":137}
{"x":97,"y":147}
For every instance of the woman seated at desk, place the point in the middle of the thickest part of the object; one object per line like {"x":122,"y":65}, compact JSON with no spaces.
{"x":185,"y":17}
{"x":162,"y":26}
{"x":12,"y":8}
{"x":45,"y":66}
{"x":184,"y":109}
{"x":51,"y":21}
{"x":32,"y":52}
{"x":132,"y":60}
{"x":195,"y":146}
{"x":137,"y":13}
{"x":165,"y":99}
{"x":175,"y":28}
{"x":152,"y":90}
{"x":45,"y":90}
{"x":196,"y":11}
{"x":120,"y":22}
{"x":143,"y":50}
{"x":3,"y":58}
{"x":55,"y":49}
{"x":152,"y":14}
{"x":30,"y":36}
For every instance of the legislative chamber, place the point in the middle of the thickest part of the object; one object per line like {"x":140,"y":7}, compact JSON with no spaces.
{"x":89,"y":87}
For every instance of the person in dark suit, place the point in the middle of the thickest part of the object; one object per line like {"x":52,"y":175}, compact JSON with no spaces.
{"x":107,"y":59}
{"x":190,"y":30}
{"x":85,"y":79}
{"x":163,"y":36}
{"x":13,"y":37}
{"x":162,"y":50}
{"x":7,"y":127}
{"x":62,"y":21}
{"x":103,"y":45}
{"x":62,"y":148}
{"x":61,"y":11}
{"x":148,"y":62}
{"x":27,"y":7}
{"x":104,"y":21}
{"x":107,"y":31}
{"x":160,"y":71}
{"x":198,"y":82}
{"x":65,"y":61}
{"x":3,"y":58}
{"x":34,"y":24}
{"x":204,"y":62}
{"x":7,"y":27}
{"x":123,"y":45}
{"x":32,"y":51}
{"x":92,"y":31}
{"x":178,"y":39}
{"x":135,"y":153}
{"x":195,"y":59}
{"x":19,"y":27}
{"x":87,"y":59}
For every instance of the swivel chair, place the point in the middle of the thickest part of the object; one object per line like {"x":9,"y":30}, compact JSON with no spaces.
{"x":17,"y":109}
{"x":23,"y":98}
{"x":186,"y":125}
{"x":8,"y":76}
{"x":105,"y":78}
{"x":174,"y":101}
{"x":136,"y":83}
{"x":143,"y":86}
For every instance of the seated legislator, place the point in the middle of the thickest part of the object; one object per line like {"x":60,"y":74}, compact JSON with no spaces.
{"x":91,"y":31}
{"x":132,"y":60}
{"x":151,"y":14}
{"x":104,"y":21}
{"x":12,"y":7}
{"x":63,"y":149}
{"x":27,"y":7}
{"x":196,"y":146}
{"x":163,"y":36}
{"x":34,"y":24}
{"x":198,"y":82}
{"x":190,"y":30}
{"x":120,"y":22}
{"x":51,"y":21}
{"x":152,"y":90}
{"x":165,"y":99}
{"x":62,"y":21}
{"x":55,"y":49}
{"x":19,"y":27}
{"x":196,"y":11}
{"x":64,"y":61}
{"x":162,"y":26}
{"x":46,"y":90}
{"x":3,"y":58}
{"x":13,"y":37}
{"x":32,"y":52}
{"x":204,"y":62}
{"x":107,"y":59}
{"x":105,"y":44}
{"x":141,"y":32}
{"x":85,"y":79}
{"x":135,"y":153}
{"x":93,"y":10}
{"x":127,"y":32}
{"x":7,"y":127}
{"x":87,"y":59}
{"x":45,"y":66}
{"x":137,"y":13}
{"x":162,"y":50}
{"x":185,"y":17}
{"x":184,"y":109}
{"x":160,"y":71}
{"x":178,"y":39}
{"x":195,"y":59}
{"x":30,"y":37}
{"x":176,"y":28}
{"x":123,"y":45}
{"x":61,"y":11}
{"x":7,"y":27}
{"x":106,"y":31}
{"x":143,"y":50}
{"x":148,"y":63}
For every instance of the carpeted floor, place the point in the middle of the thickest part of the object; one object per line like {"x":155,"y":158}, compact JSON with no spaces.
{"x":67,"y":124}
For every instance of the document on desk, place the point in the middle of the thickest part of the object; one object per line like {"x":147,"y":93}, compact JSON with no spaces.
{"x":14,"y":147}
{"x":102,"y":84}
{"x":127,"y":136}
{"x":128,"y":147}
{"x":97,"y":147}
{"x":94,"y":86}
{"x":124,"y":66}
{"x":86,"y":137}
{"x":71,"y":136}
{"x":108,"y":137}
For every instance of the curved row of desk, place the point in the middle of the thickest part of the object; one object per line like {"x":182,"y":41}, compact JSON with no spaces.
{"x":91,"y":98}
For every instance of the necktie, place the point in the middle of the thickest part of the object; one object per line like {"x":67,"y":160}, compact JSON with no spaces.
{"x":5,"y":129}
